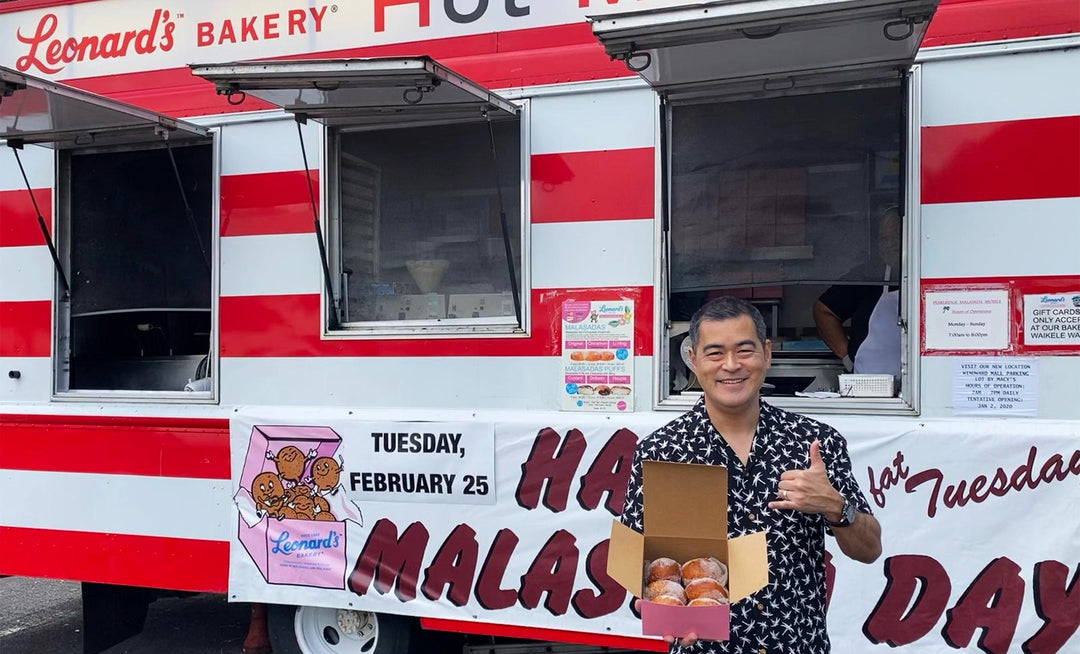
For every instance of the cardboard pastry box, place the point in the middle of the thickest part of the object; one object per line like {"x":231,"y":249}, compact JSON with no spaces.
{"x":685,"y":516}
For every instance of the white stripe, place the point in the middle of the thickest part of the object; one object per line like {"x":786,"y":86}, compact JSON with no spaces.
{"x":1056,"y":391}
{"x":169,"y":507}
{"x":1013,"y":87}
{"x":268,"y":146}
{"x":526,"y":384}
{"x":990,"y":48}
{"x":38,"y":162}
{"x":595,"y":121}
{"x":26,"y":273}
{"x":996,"y":239}
{"x":593,"y":253}
{"x":33,"y":385}
{"x":278,"y":264}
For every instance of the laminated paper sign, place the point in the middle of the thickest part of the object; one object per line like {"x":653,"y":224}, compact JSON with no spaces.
{"x":967,"y":320}
{"x":1003,"y":386}
{"x":598,"y":356}
{"x":1052,"y":319}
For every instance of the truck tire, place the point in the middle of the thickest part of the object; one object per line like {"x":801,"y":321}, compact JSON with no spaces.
{"x":318,"y":630}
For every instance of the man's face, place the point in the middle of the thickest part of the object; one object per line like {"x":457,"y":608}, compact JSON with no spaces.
{"x":889,"y":239}
{"x":730,"y":363}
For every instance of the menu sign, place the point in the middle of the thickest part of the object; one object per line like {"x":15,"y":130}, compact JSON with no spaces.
{"x":598,"y":356}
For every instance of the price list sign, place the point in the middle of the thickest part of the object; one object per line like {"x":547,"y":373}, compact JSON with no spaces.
{"x":598,"y":356}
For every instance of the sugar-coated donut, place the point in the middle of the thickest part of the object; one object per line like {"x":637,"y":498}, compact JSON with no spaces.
{"x":665,"y":587}
{"x":706,"y":601}
{"x":705,"y":587}
{"x":663,"y":568}
{"x":710,"y":567}
{"x":670,"y":600}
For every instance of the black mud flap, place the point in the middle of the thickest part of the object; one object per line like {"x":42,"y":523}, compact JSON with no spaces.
{"x":112,"y":614}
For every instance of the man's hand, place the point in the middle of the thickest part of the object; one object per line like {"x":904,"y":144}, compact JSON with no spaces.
{"x":685,"y":641}
{"x":809,"y":490}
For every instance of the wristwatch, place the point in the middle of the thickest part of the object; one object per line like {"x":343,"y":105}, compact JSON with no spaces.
{"x":847,"y":516}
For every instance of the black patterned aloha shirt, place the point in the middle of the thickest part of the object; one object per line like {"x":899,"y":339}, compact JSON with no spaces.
{"x":788,"y":615}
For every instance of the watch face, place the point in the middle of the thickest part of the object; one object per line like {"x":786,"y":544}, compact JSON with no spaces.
{"x":848,"y":515}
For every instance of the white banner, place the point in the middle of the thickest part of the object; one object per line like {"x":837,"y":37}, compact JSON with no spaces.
{"x":121,"y":36}
{"x":980,"y":551}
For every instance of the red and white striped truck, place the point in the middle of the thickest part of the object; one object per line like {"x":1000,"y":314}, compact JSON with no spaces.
{"x":359,"y":309}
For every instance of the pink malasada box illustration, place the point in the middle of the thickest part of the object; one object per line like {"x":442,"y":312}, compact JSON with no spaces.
{"x":293,"y":511}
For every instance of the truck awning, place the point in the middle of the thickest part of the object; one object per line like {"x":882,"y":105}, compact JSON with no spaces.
{"x":37,"y":111}
{"x":765,"y":45}
{"x":375,"y":91}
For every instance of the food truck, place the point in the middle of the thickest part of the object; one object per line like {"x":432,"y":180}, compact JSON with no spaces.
{"x":358,"y":309}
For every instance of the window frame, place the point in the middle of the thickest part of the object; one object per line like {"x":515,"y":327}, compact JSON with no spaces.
{"x":378,"y":93}
{"x":500,"y":326}
{"x":61,"y":392}
{"x":72,"y":122}
{"x":909,"y":399}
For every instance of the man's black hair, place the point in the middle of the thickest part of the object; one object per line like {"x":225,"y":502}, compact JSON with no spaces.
{"x":726,"y":308}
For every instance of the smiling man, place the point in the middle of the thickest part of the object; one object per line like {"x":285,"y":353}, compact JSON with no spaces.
{"x":788,"y":475}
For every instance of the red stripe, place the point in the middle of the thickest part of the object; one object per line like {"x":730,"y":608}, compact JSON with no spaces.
{"x":1013,"y":160}
{"x":977,"y":21}
{"x":527,"y":57}
{"x":26,"y":329}
{"x":152,"y":562}
{"x":22,"y":5}
{"x":18,"y":220}
{"x":288,"y":326}
{"x":210,"y":424}
{"x":565,"y":187}
{"x":549,"y":635}
{"x":1018,"y":288}
{"x":267,"y":203}
{"x":600,"y":185}
{"x":114,"y":447}
{"x":542,"y":55}
{"x":171,"y":91}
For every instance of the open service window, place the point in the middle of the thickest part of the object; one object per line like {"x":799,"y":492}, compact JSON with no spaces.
{"x":424,"y":196}
{"x":133,"y":241}
{"x":789,"y":141}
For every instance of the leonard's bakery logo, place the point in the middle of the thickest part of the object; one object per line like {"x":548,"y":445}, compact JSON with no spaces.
{"x":49,"y":51}
{"x":49,"y":46}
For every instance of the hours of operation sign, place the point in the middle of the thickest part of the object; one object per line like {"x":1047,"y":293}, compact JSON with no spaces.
{"x":970,"y":320}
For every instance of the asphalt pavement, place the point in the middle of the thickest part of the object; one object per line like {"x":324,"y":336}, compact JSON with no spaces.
{"x":41,"y":616}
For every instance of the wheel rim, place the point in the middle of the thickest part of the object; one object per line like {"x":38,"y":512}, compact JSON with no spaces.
{"x":336,"y":631}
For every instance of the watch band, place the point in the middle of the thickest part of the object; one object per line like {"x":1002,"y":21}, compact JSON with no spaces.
{"x":847,"y":515}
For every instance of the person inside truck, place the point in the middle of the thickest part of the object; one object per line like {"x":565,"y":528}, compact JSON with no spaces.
{"x":788,"y":475}
{"x":872,"y":344}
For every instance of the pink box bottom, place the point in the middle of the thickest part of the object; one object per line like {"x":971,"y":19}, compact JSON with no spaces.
{"x":297,"y":552}
{"x":708,"y":622}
